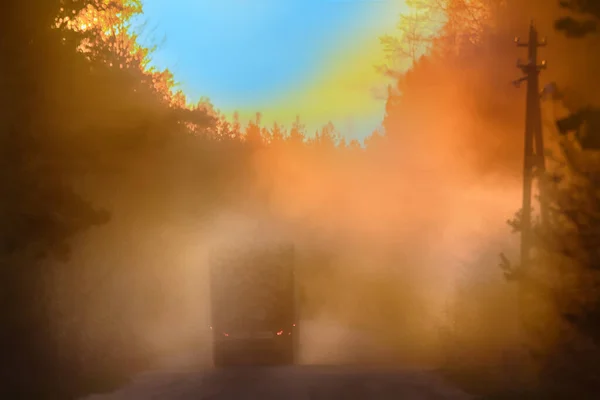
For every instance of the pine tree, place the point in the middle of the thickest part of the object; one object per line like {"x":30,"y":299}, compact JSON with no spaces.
{"x":297,"y":133}
{"x":278,"y":133}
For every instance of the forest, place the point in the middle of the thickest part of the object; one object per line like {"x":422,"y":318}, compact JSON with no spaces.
{"x":114,"y":184}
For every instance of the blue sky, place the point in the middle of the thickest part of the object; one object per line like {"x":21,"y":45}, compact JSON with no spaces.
{"x":279,"y":57}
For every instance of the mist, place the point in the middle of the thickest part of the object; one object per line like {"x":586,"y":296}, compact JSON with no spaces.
{"x":383,"y":237}
{"x":397,"y":239}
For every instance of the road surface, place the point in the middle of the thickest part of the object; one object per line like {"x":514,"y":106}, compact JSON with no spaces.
{"x":184,"y":378}
{"x":294,"y":382}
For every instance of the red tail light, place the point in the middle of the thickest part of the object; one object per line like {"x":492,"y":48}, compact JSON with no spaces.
{"x":283,"y":331}
{"x":225,"y":334}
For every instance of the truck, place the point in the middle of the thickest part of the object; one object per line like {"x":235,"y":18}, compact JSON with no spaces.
{"x":253,"y":304}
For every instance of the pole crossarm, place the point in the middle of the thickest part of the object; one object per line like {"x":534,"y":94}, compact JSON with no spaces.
{"x":531,"y":67}
{"x":541,"y":43}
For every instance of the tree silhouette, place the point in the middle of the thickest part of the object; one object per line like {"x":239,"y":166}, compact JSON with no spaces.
{"x":569,"y":247}
{"x":278,"y":134}
{"x":253,"y":131}
{"x":74,"y":102}
{"x":583,"y":24}
{"x":297,"y":132}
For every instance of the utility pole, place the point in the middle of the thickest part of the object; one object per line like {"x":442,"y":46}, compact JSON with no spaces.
{"x":534,"y":160}
{"x":533,"y":167}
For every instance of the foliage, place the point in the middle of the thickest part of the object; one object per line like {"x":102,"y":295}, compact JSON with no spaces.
{"x":561,"y":315}
{"x":84,"y":115}
{"x":81,"y":105}
{"x":63,"y":112}
{"x":561,"y":310}
{"x":584,"y":23}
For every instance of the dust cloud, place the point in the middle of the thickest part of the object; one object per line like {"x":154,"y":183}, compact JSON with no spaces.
{"x":382,"y":241}
{"x":398,"y":229}
{"x":386,"y":236}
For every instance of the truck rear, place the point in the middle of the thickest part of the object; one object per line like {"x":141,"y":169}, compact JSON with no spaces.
{"x":253,"y":310}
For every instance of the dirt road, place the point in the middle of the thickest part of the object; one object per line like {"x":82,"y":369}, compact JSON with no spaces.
{"x":296,"y":382}
{"x":345,"y":377}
